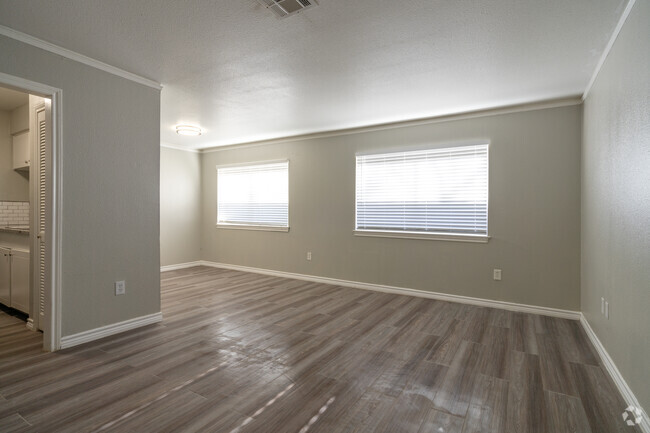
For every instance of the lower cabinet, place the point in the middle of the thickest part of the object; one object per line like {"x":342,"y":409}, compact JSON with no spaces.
{"x":14,"y":279}
{"x":5,"y":276}
{"x":20,"y":280}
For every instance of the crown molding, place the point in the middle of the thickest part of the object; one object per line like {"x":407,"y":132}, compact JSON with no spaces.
{"x":539,"y":105}
{"x":72,"y":55}
{"x":608,"y":48}
{"x":178,"y":147}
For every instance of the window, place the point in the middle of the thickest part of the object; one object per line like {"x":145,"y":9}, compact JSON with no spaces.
{"x":434,"y":193}
{"x":254,"y":196}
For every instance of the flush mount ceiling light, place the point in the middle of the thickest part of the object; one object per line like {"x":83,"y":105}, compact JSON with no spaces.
{"x":190,"y":130}
{"x":285,"y":8}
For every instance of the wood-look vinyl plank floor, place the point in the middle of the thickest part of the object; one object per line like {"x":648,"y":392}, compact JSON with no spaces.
{"x":526,"y":404}
{"x":487,"y":412}
{"x":599,"y":399}
{"x":241,"y":353}
{"x":456,"y":390}
{"x":14,"y":423}
{"x":565,"y":414}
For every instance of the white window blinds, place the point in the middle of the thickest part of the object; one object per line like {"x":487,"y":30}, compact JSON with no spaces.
{"x":426,"y":191}
{"x":253,"y":195}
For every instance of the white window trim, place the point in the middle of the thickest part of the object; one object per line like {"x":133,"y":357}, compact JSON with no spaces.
{"x":252,"y":227}
{"x":431,"y":236}
{"x":259,"y":227}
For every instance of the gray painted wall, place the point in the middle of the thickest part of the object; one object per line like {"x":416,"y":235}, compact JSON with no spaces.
{"x":110,"y":187}
{"x":180,"y":206}
{"x":14,"y":186}
{"x":534,"y":212}
{"x":616,"y":202}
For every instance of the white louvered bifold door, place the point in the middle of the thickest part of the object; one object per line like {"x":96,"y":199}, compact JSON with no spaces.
{"x":41,"y":222}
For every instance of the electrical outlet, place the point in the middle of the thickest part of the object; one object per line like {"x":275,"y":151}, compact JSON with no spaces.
{"x":309,"y":255}
{"x":602,"y":306}
{"x":607,"y":310}
{"x":497,"y":275}
{"x":120,"y":288}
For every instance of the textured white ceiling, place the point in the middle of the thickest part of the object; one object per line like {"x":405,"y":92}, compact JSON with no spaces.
{"x":10,"y":99}
{"x":243,"y":74}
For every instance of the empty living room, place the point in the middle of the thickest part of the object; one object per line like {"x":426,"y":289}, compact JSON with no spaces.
{"x":301,"y":216}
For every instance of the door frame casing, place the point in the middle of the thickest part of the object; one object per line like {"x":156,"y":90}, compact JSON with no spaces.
{"x":52,"y":332}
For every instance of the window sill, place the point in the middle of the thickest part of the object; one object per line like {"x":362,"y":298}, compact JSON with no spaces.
{"x":252,"y":227}
{"x":481,"y":239}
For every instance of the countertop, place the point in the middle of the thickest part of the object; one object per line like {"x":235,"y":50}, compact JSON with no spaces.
{"x":23,"y":230}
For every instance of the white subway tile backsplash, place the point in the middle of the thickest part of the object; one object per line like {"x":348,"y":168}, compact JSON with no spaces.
{"x":14,"y":213}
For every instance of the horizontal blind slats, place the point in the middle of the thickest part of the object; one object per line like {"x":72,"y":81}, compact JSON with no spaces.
{"x":435,"y":190}
{"x":254,"y":195}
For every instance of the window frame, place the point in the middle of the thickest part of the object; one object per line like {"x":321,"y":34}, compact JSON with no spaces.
{"x":436,"y":236}
{"x":255,"y":227}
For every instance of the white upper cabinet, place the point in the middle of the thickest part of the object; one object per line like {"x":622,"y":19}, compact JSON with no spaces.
{"x":20,"y":119}
{"x":21,"y":151}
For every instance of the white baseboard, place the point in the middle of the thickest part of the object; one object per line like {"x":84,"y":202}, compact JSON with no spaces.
{"x":544,"y":311}
{"x":617,"y":377}
{"x":105,"y":331}
{"x":180,"y":266}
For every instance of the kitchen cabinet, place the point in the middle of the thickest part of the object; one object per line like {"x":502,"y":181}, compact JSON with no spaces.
{"x":5,"y":276}
{"x":14,"y":278}
{"x":21,"y":151}
{"x":20,"y":119}
{"x":20,"y":280}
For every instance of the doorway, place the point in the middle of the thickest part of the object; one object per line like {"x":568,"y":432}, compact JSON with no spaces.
{"x":30,"y":230}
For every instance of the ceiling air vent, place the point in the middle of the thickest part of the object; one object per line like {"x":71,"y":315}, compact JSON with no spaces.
{"x":285,"y":8}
